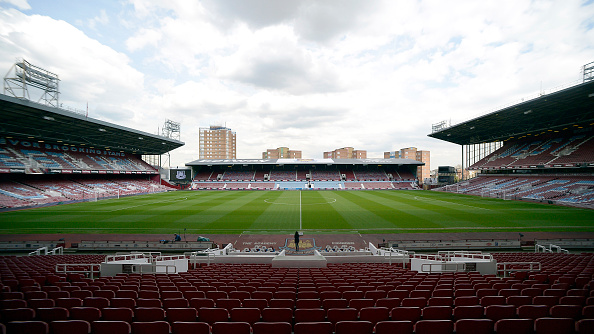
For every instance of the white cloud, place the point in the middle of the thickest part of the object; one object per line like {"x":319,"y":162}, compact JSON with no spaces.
{"x":306,"y":74}
{"x":20,"y":4}
{"x":101,"y":19}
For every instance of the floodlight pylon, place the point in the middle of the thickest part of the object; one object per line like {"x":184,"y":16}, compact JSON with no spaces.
{"x":24,"y":75}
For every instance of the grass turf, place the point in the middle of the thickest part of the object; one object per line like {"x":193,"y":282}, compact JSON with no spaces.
{"x":233,"y":212}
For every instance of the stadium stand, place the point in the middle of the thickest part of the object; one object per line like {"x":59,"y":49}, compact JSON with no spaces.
{"x":569,"y":190}
{"x":359,"y":293}
{"x":23,"y":191}
{"x":551,"y":151}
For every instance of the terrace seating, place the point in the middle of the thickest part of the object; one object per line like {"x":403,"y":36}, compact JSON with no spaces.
{"x":548,"y":151}
{"x":566,"y":190}
{"x":374,"y":280}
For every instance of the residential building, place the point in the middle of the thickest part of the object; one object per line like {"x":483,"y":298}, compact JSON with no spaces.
{"x":346,"y":153}
{"x":281,"y":153}
{"x":413,"y":153}
{"x":217,"y":142}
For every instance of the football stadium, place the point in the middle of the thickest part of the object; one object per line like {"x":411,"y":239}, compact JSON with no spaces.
{"x":96,"y":240}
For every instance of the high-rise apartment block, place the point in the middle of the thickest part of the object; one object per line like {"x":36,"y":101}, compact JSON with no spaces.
{"x":217,"y":142}
{"x":423,"y":172}
{"x":281,"y":153}
{"x":346,"y":153}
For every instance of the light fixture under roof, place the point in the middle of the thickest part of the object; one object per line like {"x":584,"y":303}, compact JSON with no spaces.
{"x":49,"y":118}
{"x":527,"y":112}
{"x":102,"y":129}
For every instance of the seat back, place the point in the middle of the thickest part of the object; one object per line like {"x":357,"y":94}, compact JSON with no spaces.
{"x":310,"y":315}
{"x":193,"y":327}
{"x":514,"y":326}
{"x":211,"y":315}
{"x":354,"y":327}
{"x":434,"y":327}
{"x":250,"y":315}
{"x":321,"y":327}
{"x":272,"y":328}
{"x":390,"y":327}
{"x":85,"y":313}
{"x":29,"y":327}
{"x":111,"y":327}
{"x":277,"y":314}
{"x":474,"y":326}
{"x":151,"y":327}
{"x":188,"y":314}
{"x":231,"y":327}
{"x":70,"y":327}
{"x":554,"y":326}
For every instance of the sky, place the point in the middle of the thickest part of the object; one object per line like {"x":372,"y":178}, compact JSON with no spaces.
{"x":310,"y":75}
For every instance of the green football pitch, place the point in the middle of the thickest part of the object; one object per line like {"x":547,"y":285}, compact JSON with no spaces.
{"x":276,"y":212}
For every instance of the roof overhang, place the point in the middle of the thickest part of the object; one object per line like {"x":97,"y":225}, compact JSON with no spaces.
{"x":565,"y":109}
{"x":26,"y":119}
{"x":321,"y":162}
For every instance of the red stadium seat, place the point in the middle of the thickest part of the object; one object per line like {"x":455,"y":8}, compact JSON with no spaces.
{"x":29,"y":327}
{"x":310,"y":315}
{"x":182,"y":327}
{"x":118,"y":314}
{"x":313,"y":327}
{"x":89,"y":314}
{"x":231,"y":327}
{"x":151,"y":327}
{"x":272,"y":328}
{"x":514,"y":326}
{"x":406,"y":313}
{"x":70,"y":327}
{"x":390,"y":327}
{"x":474,"y":326}
{"x":211,"y":315}
{"x":246,"y":314}
{"x":185,"y":314}
{"x":273,"y":314}
{"x":434,"y":327}
{"x":554,"y":326}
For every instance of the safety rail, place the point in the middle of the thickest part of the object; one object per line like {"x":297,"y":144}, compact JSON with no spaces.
{"x":147,"y":254}
{"x":127,"y":257}
{"x":509,"y":267}
{"x":448,"y":255}
{"x":402,"y":255}
{"x":452,"y":267}
{"x":46,"y":251}
{"x":541,"y":248}
{"x":89,"y":269}
{"x":432,"y":257}
{"x":200,"y":257}
{"x":170,"y":257}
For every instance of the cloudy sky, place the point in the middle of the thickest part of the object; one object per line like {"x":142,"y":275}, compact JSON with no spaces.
{"x":312,"y":75}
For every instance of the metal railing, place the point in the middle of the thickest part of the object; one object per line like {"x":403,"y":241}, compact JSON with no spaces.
{"x":46,"y":251}
{"x":541,"y":248}
{"x":506,"y":268}
{"x":89,"y":269}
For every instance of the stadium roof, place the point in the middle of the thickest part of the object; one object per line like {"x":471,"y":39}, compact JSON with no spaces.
{"x":27,"y":119}
{"x":327,"y":162}
{"x":561,"y":110}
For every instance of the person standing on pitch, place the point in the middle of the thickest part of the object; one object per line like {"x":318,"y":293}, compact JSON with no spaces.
{"x":297,"y":240}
